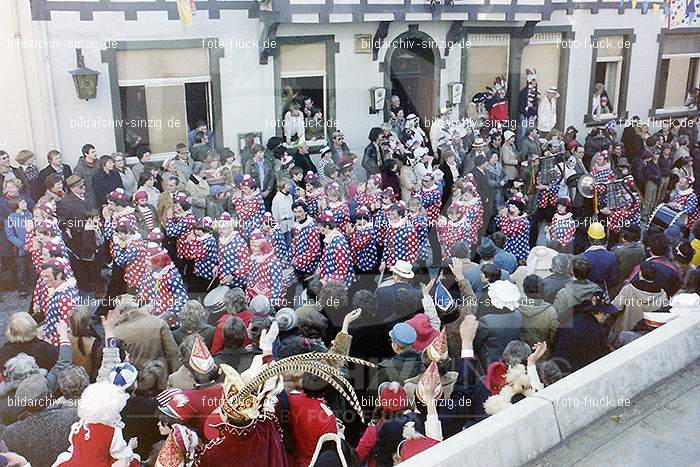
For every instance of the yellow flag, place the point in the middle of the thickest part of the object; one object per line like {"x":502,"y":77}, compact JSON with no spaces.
{"x":634,"y":4}
{"x":184,"y":8}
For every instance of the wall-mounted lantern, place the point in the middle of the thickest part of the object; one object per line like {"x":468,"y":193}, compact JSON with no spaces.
{"x":377,"y":97}
{"x":455,"y":90}
{"x":85,"y":79}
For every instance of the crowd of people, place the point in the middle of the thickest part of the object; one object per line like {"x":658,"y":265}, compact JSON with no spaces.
{"x":277,"y":307}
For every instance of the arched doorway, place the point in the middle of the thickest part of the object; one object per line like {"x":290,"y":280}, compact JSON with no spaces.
{"x":412,"y":72}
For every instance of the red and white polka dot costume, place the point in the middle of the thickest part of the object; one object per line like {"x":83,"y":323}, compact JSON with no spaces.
{"x":547,"y":197}
{"x":306,"y":246}
{"x":517,"y":231}
{"x":250,"y":210}
{"x":627,"y":214}
{"x":432,"y":202}
{"x":164,"y":290}
{"x":205,"y":252}
{"x":59,"y":303}
{"x":314,"y":198}
{"x":132,"y":258}
{"x":563,"y":228}
{"x":341,"y":214}
{"x":266,"y":278}
{"x":473,"y":212}
{"x":336,"y":261}
{"x":451,"y":232}
{"x":180,"y":227}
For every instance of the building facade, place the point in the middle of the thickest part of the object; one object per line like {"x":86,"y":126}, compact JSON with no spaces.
{"x":238,"y":62}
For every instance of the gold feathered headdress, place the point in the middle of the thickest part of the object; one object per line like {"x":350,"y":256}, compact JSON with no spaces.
{"x":240,"y":400}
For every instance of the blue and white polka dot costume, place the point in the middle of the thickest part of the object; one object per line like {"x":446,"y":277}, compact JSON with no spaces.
{"x":306,"y":246}
{"x":234,"y":259}
{"x":517,"y":231}
{"x":421,"y":226}
{"x":336,"y":262}
{"x":205,"y":252}
{"x":363,"y":245}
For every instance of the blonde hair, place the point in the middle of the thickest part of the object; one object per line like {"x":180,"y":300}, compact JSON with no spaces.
{"x":21,"y":328}
{"x":78,"y":319}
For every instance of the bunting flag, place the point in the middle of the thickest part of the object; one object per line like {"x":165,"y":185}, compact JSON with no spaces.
{"x":683,"y":13}
{"x":186,"y":10}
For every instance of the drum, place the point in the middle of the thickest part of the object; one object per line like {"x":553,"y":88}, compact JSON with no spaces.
{"x":214,"y":300}
{"x":665,"y":216}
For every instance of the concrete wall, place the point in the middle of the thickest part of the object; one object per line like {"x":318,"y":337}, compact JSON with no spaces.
{"x":536,"y":424}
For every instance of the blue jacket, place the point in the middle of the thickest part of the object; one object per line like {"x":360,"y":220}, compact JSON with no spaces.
{"x":604,"y":267}
{"x":506,"y":260}
{"x":580,"y":342}
{"x":16,"y":230}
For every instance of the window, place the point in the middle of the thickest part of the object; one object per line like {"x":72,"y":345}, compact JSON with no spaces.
{"x":610,"y":67}
{"x":161,"y":100}
{"x":487,"y":58}
{"x":542,"y":54}
{"x":678,"y":76}
{"x":303,"y":76}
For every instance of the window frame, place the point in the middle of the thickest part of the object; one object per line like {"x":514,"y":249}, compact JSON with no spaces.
{"x":662,"y":111}
{"x":313,"y":74}
{"x":158,"y":82}
{"x":624,"y":71}
{"x":109,"y":56}
{"x":661,"y":39}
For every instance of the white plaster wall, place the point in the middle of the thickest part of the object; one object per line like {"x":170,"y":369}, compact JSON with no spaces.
{"x":643,"y":59}
{"x":246,"y":87}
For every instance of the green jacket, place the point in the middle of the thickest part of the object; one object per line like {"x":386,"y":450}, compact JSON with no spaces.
{"x":399,"y":368}
{"x":540,"y":322}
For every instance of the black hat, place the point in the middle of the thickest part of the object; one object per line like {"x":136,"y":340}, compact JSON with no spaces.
{"x":571,"y":129}
{"x":599,"y":303}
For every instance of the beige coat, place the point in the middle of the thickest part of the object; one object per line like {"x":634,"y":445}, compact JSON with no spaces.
{"x":633,"y":303}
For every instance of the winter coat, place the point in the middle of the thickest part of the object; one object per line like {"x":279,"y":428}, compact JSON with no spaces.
{"x":546,"y":114}
{"x":103,"y":184}
{"x":371,"y":160}
{"x":40,"y":182}
{"x":540,"y":322}
{"x":198,"y":189}
{"x":252,"y":169}
{"x":71,"y":214}
{"x":604,"y":267}
{"x":129,"y":181}
{"x":573,"y":293}
{"x":552,"y":285}
{"x":528,"y":147}
{"x":495,"y":331}
{"x":44,"y":353}
{"x":581,"y":341}
{"x":19,"y":174}
{"x":42,"y":436}
{"x":147,"y":337}
{"x":509,"y":157}
{"x":83,"y":170}
{"x":400,"y":368}
{"x":633,"y":302}
{"x":629,"y":256}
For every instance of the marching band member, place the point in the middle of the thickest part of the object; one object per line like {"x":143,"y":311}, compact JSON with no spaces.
{"x":629,"y":213}
{"x":155,"y":237}
{"x":234,"y":255}
{"x":179,"y":223}
{"x":601,"y":169}
{"x":130,"y":254}
{"x":514,"y":224}
{"x":306,"y":241}
{"x":314,"y":193}
{"x":563,"y":225}
{"x":429,"y":195}
{"x":455,"y":228}
{"x":273,"y":234}
{"x":336,"y":260}
{"x":117,"y":208}
{"x":685,"y":199}
{"x":363,"y":241}
{"x":401,"y":241}
{"x":249,"y":205}
{"x":61,"y":298}
{"x":205,"y":252}
{"x":338,"y":206}
{"x":265,"y":277}
{"x":470,"y":204}
{"x":163,"y":288}
{"x":419,"y":220}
